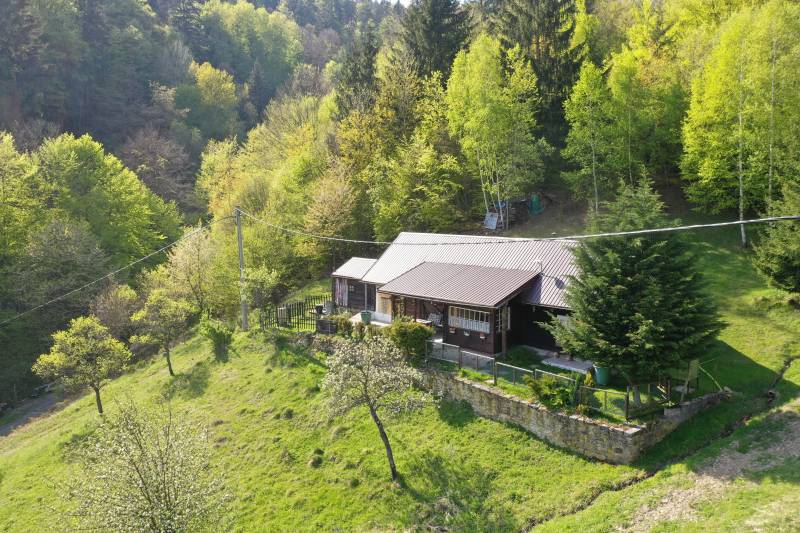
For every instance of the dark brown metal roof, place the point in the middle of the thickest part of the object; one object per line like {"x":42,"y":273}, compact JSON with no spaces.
{"x":460,"y":284}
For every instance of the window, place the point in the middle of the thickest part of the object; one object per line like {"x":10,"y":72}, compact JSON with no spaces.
{"x":469,"y":319}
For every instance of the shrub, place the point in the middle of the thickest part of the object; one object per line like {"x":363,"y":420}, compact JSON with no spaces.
{"x":410,"y":336}
{"x":551,"y":392}
{"x":219,"y":334}
{"x":344,"y":327}
{"x":360,"y":331}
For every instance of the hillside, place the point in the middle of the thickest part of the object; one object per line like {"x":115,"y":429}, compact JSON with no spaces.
{"x":264,"y":410}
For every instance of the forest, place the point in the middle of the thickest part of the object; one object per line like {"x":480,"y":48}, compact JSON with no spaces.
{"x":125,"y":124}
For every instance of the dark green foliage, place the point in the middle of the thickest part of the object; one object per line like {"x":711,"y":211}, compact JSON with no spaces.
{"x":639,"y":305}
{"x":410,"y":336}
{"x":220,"y":335}
{"x":778,"y":254}
{"x":434,"y":31}
{"x":551,"y":392}
{"x":543,"y":29}
{"x":344,"y":327}
{"x":355,"y":84}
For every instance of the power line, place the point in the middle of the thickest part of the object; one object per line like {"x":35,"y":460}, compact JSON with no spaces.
{"x":505,"y":240}
{"x":110,"y":274}
{"x":681,"y":228}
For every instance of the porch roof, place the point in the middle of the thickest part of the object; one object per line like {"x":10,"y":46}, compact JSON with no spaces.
{"x":354,"y":268}
{"x":477,"y":286}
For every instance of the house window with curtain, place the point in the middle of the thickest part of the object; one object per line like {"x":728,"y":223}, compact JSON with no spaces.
{"x":469,"y":319}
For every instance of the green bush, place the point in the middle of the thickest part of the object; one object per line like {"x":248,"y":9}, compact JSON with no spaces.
{"x":219,"y":334}
{"x":410,"y":336}
{"x":551,"y":392}
{"x":343,"y":325}
{"x":360,"y":331}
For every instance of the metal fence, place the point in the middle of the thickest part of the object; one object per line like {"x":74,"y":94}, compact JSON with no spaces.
{"x":613,"y":403}
{"x":299,"y":315}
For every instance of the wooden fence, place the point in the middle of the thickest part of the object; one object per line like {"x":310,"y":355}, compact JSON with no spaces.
{"x":300,"y":315}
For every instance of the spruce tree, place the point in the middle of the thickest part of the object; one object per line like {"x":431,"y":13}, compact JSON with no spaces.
{"x":778,"y":254}
{"x":355,"y":84}
{"x":638,"y":302}
{"x":543,"y":29}
{"x":434,"y":31}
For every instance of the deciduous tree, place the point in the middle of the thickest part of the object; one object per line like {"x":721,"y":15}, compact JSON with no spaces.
{"x":372,"y":374}
{"x":778,"y":253}
{"x":146,"y":470}
{"x":161,"y":320}
{"x":85,"y":355}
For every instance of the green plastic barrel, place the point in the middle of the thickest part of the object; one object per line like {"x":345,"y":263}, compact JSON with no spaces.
{"x":602,"y":375}
{"x":366,"y":317}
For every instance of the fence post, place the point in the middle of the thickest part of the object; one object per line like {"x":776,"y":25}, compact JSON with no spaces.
{"x":460,"y":358}
{"x":627,"y":395}
{"x":494,"y":370}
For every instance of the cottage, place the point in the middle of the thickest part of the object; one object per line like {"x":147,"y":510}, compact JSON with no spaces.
{"x":482,"y":293}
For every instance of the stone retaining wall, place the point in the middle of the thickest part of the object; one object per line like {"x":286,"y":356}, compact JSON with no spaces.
{"x":587,"y":436}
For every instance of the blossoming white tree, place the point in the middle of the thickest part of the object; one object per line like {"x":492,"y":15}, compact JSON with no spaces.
{"x":374,"y":374}
{"x":145,"y":470}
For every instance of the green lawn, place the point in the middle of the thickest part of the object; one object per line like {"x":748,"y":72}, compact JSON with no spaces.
{"x":266,"y":416}
{"x":265,"y":412}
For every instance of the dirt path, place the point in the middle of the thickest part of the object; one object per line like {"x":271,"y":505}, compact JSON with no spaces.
{"x":710,"y":481}
{"x":30,"y":410}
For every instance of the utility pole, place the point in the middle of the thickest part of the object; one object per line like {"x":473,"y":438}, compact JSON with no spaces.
{"x":240,"y":238}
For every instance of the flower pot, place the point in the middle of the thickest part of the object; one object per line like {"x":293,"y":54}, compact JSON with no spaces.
{"x":602,"y":375}
{"x":366,"y":317}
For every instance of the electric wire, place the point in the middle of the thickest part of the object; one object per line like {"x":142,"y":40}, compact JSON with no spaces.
{"x":112,"y":273}
{"x":505,"y":240}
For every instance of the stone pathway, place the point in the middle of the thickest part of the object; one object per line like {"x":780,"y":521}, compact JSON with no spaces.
{"x":574,"y":365}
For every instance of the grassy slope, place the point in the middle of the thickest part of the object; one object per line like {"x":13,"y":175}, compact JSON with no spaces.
{"x":760,"y":335}
{"x":489,"y":475}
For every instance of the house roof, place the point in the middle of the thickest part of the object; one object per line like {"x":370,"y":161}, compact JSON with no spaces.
{"x":461,"y":284}
{"x":552,"y":257}
{"x":354,"y":268}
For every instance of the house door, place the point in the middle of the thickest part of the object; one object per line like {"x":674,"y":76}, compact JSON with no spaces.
{"x":371,"y":297}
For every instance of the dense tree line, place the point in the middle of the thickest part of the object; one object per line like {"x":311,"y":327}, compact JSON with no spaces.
{"x":126,"y":119}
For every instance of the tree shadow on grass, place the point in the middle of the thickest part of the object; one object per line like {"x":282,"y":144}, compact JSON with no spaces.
{"x":289,"y":353}
{"x":455,"y":413}
{"x":191,"y":384}
{"x":454,"y":495}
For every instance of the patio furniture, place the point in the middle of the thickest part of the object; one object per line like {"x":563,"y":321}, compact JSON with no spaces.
{"x":686,"y":377}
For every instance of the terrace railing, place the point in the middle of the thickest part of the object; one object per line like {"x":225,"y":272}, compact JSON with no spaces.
{"x":613,"y":403}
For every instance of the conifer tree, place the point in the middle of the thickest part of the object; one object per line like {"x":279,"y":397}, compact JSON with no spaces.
{"x":355,"y":87}
{"x":434,"y":31}
{"x":638,"y":302}
{"x":543,"y":29}
{"x":778,"y":255}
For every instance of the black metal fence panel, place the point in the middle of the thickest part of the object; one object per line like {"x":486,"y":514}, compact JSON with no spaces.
{"x":300,"y":315}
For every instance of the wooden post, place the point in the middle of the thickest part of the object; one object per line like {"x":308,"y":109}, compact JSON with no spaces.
{"x":494,"y":370}
{"x":460,"y":358}
{"x":503,"y":329}
{"x":240,"y":241}
{"x":627,"y":401}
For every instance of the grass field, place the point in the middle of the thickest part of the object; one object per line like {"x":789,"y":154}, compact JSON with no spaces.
{"x":266,"y":417}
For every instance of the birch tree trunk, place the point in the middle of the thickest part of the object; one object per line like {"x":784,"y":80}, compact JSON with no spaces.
{"x":773,"y":60}
{"x":740,"y":155}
